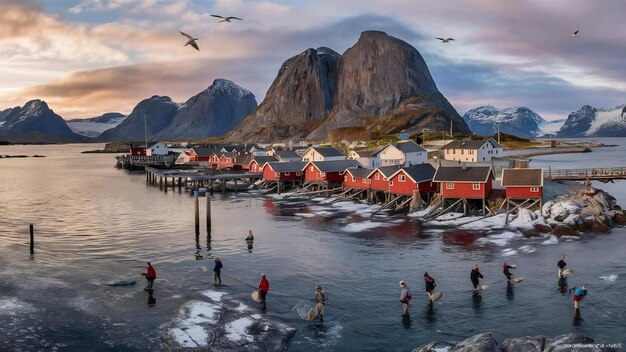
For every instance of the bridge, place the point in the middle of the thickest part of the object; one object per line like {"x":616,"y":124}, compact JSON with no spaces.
{"x":594,"y":174}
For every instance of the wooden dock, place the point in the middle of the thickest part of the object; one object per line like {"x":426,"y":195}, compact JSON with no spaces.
{"x":137,"y":162}
{"x":595,"y":174}
{"x":194,"y":179}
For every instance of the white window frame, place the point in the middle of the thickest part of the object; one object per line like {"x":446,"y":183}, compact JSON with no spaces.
{"x":312,"y":168}
{"x":286,"y":173}
{"x":449,"y":185}
{"x":322,"y":174}
{"x":345,"y":179}
{"x":476,"y":186}
{"x":402,"y":178}
{"x":298,"y":173}
{"x":377,"y":177}
{"x":353,"y":178}
{"x":390,"y":183}
{"x":534,"y":189}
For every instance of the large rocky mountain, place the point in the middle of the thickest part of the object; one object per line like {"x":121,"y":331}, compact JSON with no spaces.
{"x":151,"y":115}
{"x":518,"y":121}
{"x":298,"y":100}
{"x":35,"y":122}
{"x":381,"y":84}
{"x":94,"y":126}
{"x":213,"y":112}
{"x":592,"y":122}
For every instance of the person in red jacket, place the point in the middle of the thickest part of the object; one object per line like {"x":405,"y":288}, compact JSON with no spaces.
{"x":264,"y":286}
{"x":150,"y":275}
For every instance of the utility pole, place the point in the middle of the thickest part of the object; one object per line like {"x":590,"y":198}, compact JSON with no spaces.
{"x":145,"y":135}
{"x":451,"y":128}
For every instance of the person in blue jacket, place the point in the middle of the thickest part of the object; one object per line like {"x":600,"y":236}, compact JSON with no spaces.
{"x":579,"y":294}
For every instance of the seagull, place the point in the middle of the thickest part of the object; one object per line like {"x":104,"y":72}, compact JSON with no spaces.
{"x":575,"y":34}
{"x":445,"y":40}
{"x":227,"y":19}
{"x":191,"y":41}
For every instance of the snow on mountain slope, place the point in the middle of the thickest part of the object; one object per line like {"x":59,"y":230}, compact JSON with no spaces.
{"x":94,"y":126}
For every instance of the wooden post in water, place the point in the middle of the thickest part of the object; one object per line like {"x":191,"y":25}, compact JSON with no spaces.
{"x":208,"y":212}
{"x":32,"y":239}
{"x":180,"y":180}
{"x":147,"y":177}
{"x":161,"y":183}
{"x":165,"y":187}
{"x":278,"y":187}
{"x":224,"y":186}
{"x":197,"y":211}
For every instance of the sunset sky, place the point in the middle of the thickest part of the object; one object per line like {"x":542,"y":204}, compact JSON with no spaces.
{"x":87,"y":57}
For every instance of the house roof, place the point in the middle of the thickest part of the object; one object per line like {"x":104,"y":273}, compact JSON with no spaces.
{"x":418,"y":173}
{"x":408,"y":147}
{"x":282,"y":154}
{"x":328,"y":152}
{"x":261,"y":160}
{"x":358,"y":172}
{"x":463,"y":174}
{"x":368,"y":152}
{"x":290,"y":166}
{"x":204,"y":151}
{"x":227,"y":154}
{"x":387,"y":171}
{"x":522,"y":177}
{"x":334,"y":165}
{"x":242,"y":159}
{"x":469,"y":144}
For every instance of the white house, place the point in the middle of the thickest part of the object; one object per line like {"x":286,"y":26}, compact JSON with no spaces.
{"x":322,"y":154}
{"x":286,"y":155}
{"x":472,"y":151}
{"x":413,"y":153}
{"x":159,"y":148}
{"x":367,"y":157}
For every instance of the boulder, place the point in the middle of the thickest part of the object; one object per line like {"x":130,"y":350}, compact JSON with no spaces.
{"x":619,"y":218}
{"x":564,"y":230}
{"x":600,"y":227}
{"x":433,"y":347}
{"x":590,"y":211}
{"x":524,"y":344}
{"x":478,"y":343}
{"x":579,"y":343}
{"x":543,"y":228}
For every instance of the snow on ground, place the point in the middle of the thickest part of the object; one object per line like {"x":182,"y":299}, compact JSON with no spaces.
{"x":214,"y":295}
{"x":508,"y":252}
{"x":305,"y":215}
{"x":527,"y":249}
{"x":551,"y":240}
{"x":236,"y":330}
{"x":363,"y":226}
{"x":603,"y":117}
{"x":500,"y":239}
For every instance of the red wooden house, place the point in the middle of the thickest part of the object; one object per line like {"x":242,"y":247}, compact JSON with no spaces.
{"x":283,"y":171}
{"x":137,"y":151}
{"x":523,"y":183}
{"x":464,"y":182}
{"x":327,"y":171}
{"x":413,"y":178}
{"x":255,"y":164}
{"x":356,"y":178}
{"x":200,"y":153}
{"x":379,"y":177}
{"x":227,"y":160}
{"x":214,"y":160}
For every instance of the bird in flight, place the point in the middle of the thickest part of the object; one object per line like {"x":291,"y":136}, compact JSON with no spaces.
{"x":227,"y":19}
{"x":445,"y":40}
{"x":575,"y":34}
{"x":191,"y":40}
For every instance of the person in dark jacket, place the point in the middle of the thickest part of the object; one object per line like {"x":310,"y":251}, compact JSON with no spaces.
{"x":506,"y":272}
{"x":429,"y":281}
{"x":561,"y":265}
{"x":217,"y":271}
{"x":150,"y":275}
{"x":475,"y":275}
{"x":264,"y":287}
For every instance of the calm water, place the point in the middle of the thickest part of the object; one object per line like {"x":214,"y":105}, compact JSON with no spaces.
{"x":95,"y":224}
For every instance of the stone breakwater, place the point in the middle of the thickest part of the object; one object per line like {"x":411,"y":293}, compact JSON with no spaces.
{"x":486,"y":343}
{"x":580,"y":210}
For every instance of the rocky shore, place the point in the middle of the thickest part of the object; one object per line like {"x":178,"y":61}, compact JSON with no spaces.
{"x":486,"y":343}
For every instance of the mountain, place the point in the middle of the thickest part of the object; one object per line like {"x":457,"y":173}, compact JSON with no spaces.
{"x":298,"y":100}
{"x":518,"y":121}
{"x":592,"y":122}
{"x":151,"y":115}
{"x":213,"y":112}
{"x":94,"y":126}
{"x":381,"y":84}
{"x":35,"y":122}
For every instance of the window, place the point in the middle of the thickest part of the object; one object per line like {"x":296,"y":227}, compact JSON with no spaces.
{"x":369,"y":181}
{"x":312,"y":168}
{"x":353,"y":179}
{"x":322,"y":174}
{"x":377,"y":177}
{"x":476,"y":186}
{"x":462,"y":151}
{"x":286,"y":174}
{"x":298,"y":173}
{"x":401,"y":178}
{"x":390,"y":183}
{"x":345,"y":179}
{"x":534,"y":189}
{"x":449,"y":185}
{"x":365,"y":180}
{"x":447,"y":151}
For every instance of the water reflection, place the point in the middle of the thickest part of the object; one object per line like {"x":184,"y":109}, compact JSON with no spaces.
{"x":477,"y":299}
{"x":151,"y":299}
{"x":509,"y":290}
{"x":563,"y":285}
{"x":406,"y":321}
{"x":430,"y":313}
{"x":250,"y":244}
{"x":463,"y":239}
{"x":578,"y":319}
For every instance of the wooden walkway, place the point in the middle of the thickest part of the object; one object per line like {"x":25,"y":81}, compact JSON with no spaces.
{"x":596,"y":174}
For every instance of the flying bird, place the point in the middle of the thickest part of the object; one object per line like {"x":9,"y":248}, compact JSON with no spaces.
{"x":445,"y":40}
{"x":575,"y":34}
{"x":191,"y":40}
{"x":227,"y":19}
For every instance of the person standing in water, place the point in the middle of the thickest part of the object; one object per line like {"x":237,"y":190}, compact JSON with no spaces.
{"x":405,"y":297}
{"x":579,"y":294}
{"x":430,"y":285}
{"x":561,"y":265}
{"x":264,"y":287}
{"x":250,"y":241}
{"x":475,"y":275}
{"x":150,"y":275}
{"x":217,"y":271}
{"x":250,"y":236}
{"x":506,"y":272}
{"x":320,"y":301}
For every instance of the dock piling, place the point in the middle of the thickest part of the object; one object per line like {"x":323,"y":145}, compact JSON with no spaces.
{"x":32,"y":239}
{"x":197,"y":211}
{"x":208,"y":212}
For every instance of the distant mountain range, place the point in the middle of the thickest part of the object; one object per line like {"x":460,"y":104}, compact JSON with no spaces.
{"x":94,"y":126}
{"x":519,"y":121}
{"x":593,"y":122}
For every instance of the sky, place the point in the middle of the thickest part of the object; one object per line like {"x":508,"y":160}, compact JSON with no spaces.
{"x":88,"y":57}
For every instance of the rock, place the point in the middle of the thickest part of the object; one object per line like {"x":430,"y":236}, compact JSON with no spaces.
{"x":478,"y":343}
{"x":558,"y":344}
{"x":543,"y":228}
{"x":523,"y":344}
{"x":590,"y":210}
{"x":564,"y":230}
{"x":619,"y":218}
{"x":433,"y":347}
{"x":600,"y":227}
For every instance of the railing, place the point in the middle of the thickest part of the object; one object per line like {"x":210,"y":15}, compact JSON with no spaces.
{"x":596,"y":173}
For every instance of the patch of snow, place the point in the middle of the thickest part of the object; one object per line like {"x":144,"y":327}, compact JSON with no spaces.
{"x":362,"y":226}
{"x":551,"y":240}
{"x":305,"y":215}
{"x":214,"y":295}
{"x":501,"y":239}
{"x":241,"y":307}
{"x":236,"y":330}
{"x":527,"y":249}
{"x":610,"y":278}
{"x":256,"y":316}
{"x":190,"y":337}
{"x":604,"y":116}
{"x":93,"y":129}
{"x":508,"y":252}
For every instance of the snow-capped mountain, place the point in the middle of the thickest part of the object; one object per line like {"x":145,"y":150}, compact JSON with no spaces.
{"x":35,"y":122}
{"x":94,"y":126}
{"x":519,"y":121}
{"x":592,"y":122}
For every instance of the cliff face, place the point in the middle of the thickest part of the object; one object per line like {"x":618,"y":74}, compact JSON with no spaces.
{"x":298,"y":100}
{"x":213,"y":112}
{"x":380,"y":84}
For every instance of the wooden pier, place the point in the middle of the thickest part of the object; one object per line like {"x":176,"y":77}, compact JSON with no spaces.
{"x":191,"y":180}
{"x":595,"y":174}
{"x":136,"y":162}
